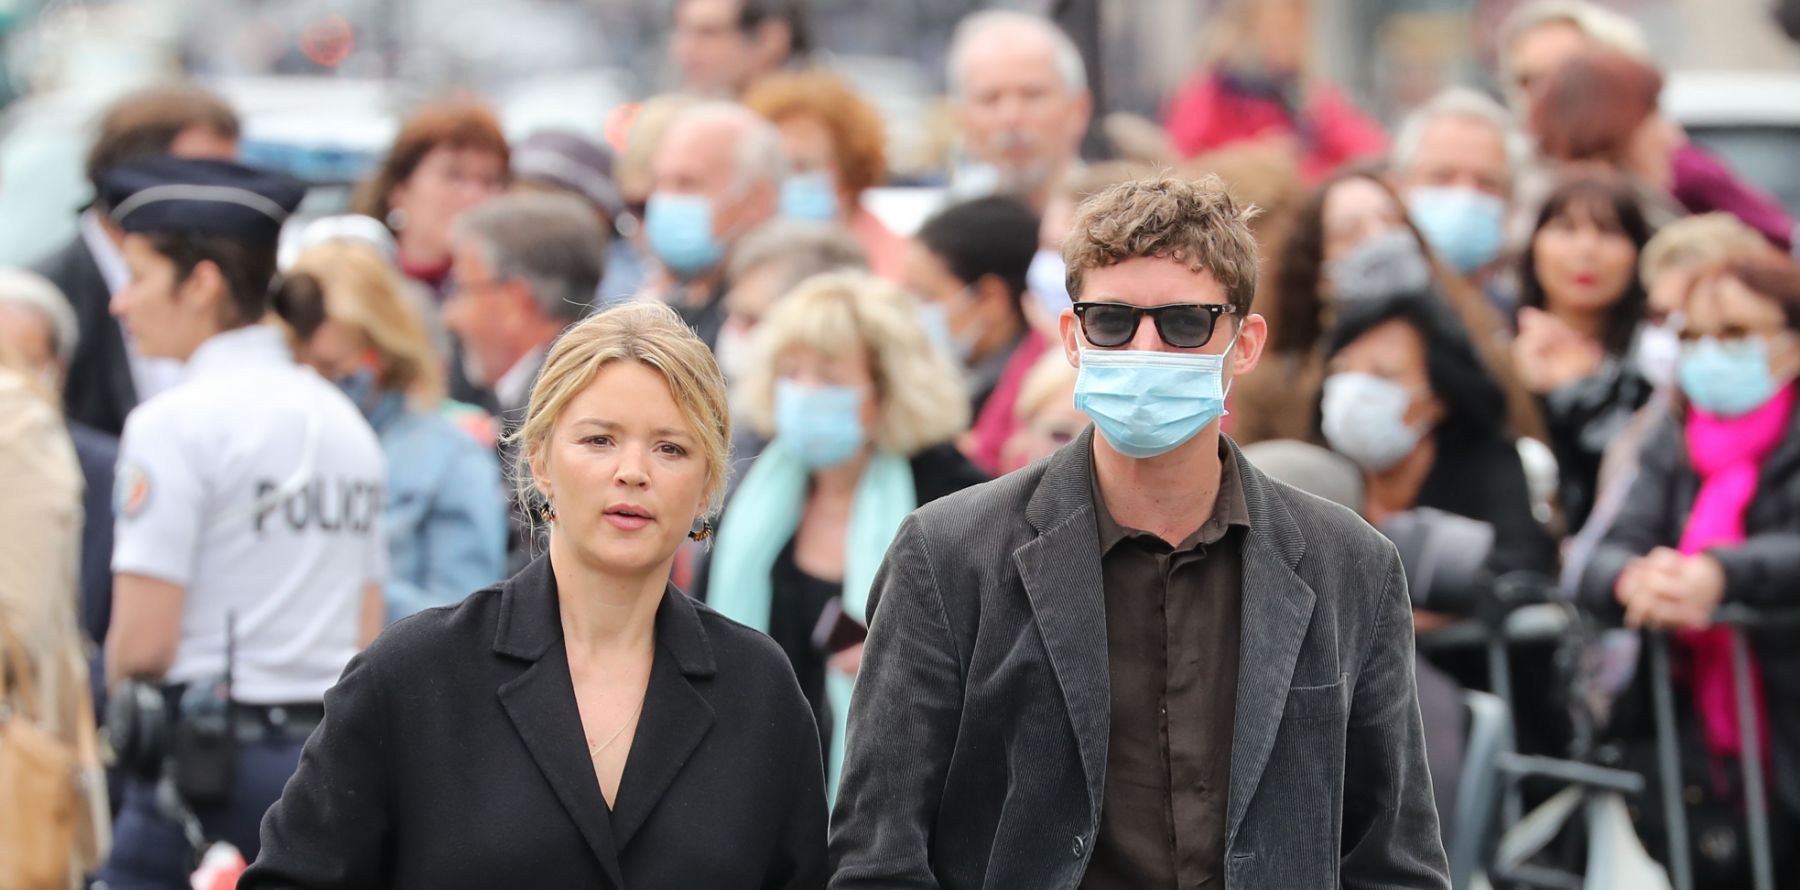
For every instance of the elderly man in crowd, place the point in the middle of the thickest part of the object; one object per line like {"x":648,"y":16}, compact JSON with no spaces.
{"x":1454,"y":162}
{"x":717,"y":174}
{"x":722,"y":47}
{"x":1022,"y":105}
{"x":526,"y":266}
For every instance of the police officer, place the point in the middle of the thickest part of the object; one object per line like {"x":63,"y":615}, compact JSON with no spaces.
{"x":248,"y":553}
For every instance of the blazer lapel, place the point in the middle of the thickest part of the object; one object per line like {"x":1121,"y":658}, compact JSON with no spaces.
{"x":676,"y":716}
{"x":1277,"y":611}
{"x":541,"y":704}
{"x":1061,"y":572}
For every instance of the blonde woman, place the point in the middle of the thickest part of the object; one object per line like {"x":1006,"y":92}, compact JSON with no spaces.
{"x":860,"y":408}
{"x":445,"y":515}
{"x":584,"y":724}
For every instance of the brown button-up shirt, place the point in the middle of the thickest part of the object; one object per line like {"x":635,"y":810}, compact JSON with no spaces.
{"x":1172,"y":622}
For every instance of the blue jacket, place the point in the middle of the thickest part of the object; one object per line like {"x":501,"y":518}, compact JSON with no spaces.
{"x":446,"y":509}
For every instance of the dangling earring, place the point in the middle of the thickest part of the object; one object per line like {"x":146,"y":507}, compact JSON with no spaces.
{"x":549,"y":512}
{"x":396,"y":219}
{"x":703,"y":532}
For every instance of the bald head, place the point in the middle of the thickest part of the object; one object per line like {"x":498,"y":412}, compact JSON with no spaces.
{"x":728,"y":155}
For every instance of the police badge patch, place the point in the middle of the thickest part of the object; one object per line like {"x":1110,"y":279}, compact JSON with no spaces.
{"x":131,"y":490}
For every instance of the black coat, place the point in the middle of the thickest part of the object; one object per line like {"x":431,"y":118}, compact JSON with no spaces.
{"x":1484,"y":480}
{"x":99,"y":392}
{"x":452,"y":755}
{"x":1762,"y":572}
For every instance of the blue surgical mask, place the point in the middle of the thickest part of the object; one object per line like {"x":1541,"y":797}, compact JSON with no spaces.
{"x":934,"y":317}
{"x":680,"y":230}
{"x":1365,"y":420}
{"x":821,"y":425}
{"x":359,"y":385}
{"x":1464,"y":226}
{"x":1049,"y":282}
{"x":1147,"y":403}
{"x":1729,"y":378}
{"x":810,"y":197}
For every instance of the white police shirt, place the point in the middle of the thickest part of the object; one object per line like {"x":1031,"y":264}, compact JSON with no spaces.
{"x":257,"y":486}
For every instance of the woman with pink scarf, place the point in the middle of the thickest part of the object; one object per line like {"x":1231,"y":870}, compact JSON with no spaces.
{"x":1713,"y":517}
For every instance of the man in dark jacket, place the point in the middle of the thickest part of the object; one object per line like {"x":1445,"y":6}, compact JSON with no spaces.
{"x":1141,"y":662}
{"x":107,"y":378}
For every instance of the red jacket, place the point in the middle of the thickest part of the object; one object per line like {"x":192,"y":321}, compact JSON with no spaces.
{"x":1212,"y":112}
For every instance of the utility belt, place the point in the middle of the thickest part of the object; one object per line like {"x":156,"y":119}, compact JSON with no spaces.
{"x":189,"y":733}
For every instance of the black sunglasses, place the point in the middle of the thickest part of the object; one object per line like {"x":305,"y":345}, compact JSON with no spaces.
{"x":1181,"y":325}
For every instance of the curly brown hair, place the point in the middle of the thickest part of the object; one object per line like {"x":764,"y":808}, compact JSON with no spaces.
{"x":1192,"y":221}
{"x":857,"y":134}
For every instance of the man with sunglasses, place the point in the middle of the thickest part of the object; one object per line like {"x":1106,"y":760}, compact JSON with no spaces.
{"x":1141,"y":662}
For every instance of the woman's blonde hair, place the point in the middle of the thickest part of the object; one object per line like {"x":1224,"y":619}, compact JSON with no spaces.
{"x":653,"y":335}
{"x":363,"y":292}
{"x":919,"y":392}
{"x":1051,"y":376}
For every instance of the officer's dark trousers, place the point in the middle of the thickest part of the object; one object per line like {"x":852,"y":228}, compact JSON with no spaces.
{"x":149,"y":850}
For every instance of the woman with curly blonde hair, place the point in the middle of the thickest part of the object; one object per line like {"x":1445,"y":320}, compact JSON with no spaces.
{"x":861,"y":408}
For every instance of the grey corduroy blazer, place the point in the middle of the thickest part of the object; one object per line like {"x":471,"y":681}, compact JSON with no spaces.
{"x":978,"y":733}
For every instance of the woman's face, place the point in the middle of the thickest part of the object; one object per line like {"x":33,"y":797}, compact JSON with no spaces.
{"x":448,"y":181}
{"x":1725,"y":309}
{"x":810,"y":149}
{"x":338,"y":350}
{"x":849,"y":368}
{"x":1584,"y":263}
{"x":1054,"y":424}
{"x":163,"y":317}
{"x":1355,"y":210}
{"x":1395,"y":351}
{"x":624,"y":472}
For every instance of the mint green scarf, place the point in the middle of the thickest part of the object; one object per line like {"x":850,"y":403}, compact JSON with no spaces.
{"x":762,"y":518}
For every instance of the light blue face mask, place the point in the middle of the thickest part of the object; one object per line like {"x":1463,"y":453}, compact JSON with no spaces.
{"x":680,"y":231}
{"x":1048,"y":279}
{"x":359,"y":385}
{"x":1462,"y":225}
{"x":821,"y":425}
{"x":809,"y":197}
{"x":1147,"y":403}
{"x":1729,"y":378}
{"x":934,"y":317}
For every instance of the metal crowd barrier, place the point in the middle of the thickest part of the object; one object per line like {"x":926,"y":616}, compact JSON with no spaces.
{"x":1544,"y":622}
{"x":1756,"y":799}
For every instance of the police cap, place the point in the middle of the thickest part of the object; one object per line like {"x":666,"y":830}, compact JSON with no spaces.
{"x":190,"y":196}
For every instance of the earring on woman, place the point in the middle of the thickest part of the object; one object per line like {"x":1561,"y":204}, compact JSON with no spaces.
{"x":549,"y":511}
{"x":703,"y":532}
{"x":396,"y":219}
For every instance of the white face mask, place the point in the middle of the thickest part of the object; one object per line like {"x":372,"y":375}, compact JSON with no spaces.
{"x":1365,"y":420}
{"x":733,"y":351}
{"x":1048,"y":280}
{"x":1658,"y":352}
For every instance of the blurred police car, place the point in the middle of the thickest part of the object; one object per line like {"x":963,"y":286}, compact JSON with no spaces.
{"x":326,"y":131}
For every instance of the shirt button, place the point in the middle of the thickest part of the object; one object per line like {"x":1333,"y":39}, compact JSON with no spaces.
{"x":1078,"y":847}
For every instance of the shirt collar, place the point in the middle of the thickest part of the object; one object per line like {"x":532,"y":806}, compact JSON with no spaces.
{"x":1229,"y":509}
{"x":514,"y":387}
{"x":232,"y":350}
{"x":106,"y":254}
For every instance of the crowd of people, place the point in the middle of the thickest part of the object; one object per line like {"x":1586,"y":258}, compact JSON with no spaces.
{"x":527,"y":404}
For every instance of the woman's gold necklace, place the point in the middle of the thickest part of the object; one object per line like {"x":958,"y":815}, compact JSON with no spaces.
{"x":594,"y":750}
